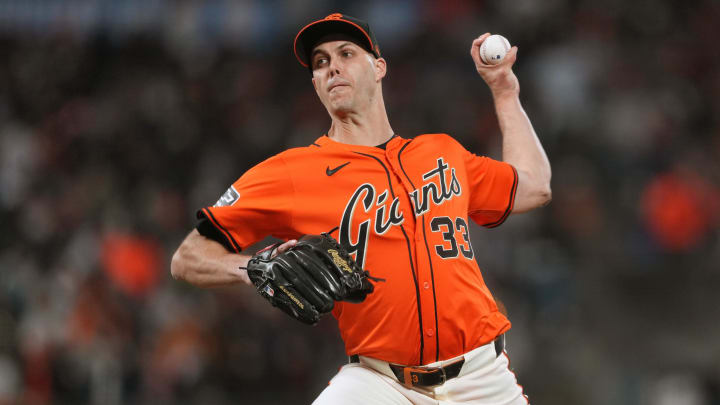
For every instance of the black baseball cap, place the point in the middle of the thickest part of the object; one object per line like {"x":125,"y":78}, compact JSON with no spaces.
{"x":335,"y":23}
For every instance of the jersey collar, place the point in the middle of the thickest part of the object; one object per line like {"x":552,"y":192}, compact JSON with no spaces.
{"x":325,"y":141}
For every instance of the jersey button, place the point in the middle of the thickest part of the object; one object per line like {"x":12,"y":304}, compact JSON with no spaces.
{"x":430,"y":332}
{"x":426,"y":285}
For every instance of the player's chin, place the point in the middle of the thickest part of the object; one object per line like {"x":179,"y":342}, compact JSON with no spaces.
{"x":339,"y":97}
{"x":340,"y":105}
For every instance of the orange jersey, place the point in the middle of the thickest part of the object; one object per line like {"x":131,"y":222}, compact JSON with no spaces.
{"x":402,"y":212}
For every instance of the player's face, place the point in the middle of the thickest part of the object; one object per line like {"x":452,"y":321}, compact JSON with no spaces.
{"x":346,"y":77}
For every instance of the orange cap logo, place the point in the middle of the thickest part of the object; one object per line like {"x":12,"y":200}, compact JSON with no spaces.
{"x":334,"y":16}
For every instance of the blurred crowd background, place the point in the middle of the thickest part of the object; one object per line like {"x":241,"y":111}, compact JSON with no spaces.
{"x":118,"y":119}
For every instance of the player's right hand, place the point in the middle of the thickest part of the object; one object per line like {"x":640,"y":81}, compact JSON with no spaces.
{"x":500,"y":78}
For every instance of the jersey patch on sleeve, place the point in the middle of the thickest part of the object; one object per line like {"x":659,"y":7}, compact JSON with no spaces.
{"x":229,"y":198}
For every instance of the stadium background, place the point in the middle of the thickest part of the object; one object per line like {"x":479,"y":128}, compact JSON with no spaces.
{"x":119,"y":118}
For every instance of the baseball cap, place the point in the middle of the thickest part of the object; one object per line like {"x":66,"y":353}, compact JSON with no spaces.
{"x":335,"y":23}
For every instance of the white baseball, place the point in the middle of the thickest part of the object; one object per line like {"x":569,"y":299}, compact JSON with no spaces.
{"x":493,"y":49}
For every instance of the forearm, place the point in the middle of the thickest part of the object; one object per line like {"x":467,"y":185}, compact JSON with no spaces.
{"x":521,"y":146}
{"x":523,"y":150}
{"x":205,"y":263}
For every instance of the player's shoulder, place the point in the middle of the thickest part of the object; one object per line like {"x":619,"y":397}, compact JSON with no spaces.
{"x":276,"y":160}
{"x":433,"y":137}
{"x":437,"y":140}
{"x":296,"y":158}
{"x":279,"y":165}
{"x":299,"y":153}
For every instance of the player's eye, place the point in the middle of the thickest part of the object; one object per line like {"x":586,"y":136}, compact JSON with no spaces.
{"x":320,"y":61}
{"x":346,"y":53}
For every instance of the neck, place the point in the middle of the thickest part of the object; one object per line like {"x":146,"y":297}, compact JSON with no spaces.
{"x":369,"y":127}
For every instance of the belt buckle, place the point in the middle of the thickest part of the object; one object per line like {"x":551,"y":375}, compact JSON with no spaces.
{"x":411,"y":375}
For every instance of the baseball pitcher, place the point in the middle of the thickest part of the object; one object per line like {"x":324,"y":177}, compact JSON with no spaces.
{"x":377,"y":231}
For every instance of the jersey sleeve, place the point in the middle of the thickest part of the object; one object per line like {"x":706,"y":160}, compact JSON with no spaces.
{"x":492,"y":189}
{"x":257,"y":205}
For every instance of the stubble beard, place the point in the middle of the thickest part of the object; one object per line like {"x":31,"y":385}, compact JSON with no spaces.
{"x":342,"y":105}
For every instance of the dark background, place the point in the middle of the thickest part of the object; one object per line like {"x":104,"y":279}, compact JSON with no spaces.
{"x":118,"y":119}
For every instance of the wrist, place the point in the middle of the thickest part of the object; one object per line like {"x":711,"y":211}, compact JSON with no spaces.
{"x":243,"y":275}
{"x":238,"y":267}
{"x":505,"y":95}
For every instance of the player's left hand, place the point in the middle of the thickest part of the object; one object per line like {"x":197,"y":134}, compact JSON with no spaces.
{"x":305,"y":277}
{"x":500,"y":78}
{"x":284,"y":247}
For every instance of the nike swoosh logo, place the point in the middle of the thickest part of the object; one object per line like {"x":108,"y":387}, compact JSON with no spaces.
{"x":330,"y":171}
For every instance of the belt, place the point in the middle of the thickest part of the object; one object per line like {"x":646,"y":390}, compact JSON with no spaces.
{"x":426,"y":376}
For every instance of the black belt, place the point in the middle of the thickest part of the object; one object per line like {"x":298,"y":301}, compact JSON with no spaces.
{"x":430,"y":376}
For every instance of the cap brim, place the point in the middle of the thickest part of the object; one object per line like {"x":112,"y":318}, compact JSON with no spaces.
{"x":313,"y":32}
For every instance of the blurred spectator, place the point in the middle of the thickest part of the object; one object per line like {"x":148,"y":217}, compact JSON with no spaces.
{"x":681,"y":209}
{"x":131,"y":263}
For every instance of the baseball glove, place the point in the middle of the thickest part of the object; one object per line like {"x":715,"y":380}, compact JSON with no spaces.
{"x":307,"y":279}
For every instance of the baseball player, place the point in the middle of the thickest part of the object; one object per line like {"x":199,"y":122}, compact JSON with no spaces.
{"x":431,"y":332}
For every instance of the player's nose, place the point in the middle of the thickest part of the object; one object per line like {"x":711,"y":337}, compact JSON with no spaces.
{"x":334,"y":67}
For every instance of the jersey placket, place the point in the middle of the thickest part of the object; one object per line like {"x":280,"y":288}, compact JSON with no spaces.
{"x":422,"y":258}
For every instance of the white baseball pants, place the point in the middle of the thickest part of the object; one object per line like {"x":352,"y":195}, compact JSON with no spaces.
{"x":483,"y":380}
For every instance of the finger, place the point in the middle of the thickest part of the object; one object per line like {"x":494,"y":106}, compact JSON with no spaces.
{"x":479,"y":40}
{"x":511,"y":57}
{"x":506,"y":62}
{"x":287,"y":245}
{"x":475,"y":47}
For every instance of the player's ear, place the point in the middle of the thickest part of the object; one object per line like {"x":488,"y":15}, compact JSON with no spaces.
{"x":380,"y":68}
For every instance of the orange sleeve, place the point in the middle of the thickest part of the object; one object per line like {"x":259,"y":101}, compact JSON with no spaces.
{"x":492,"y":189}
{"x":257,"y":205}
